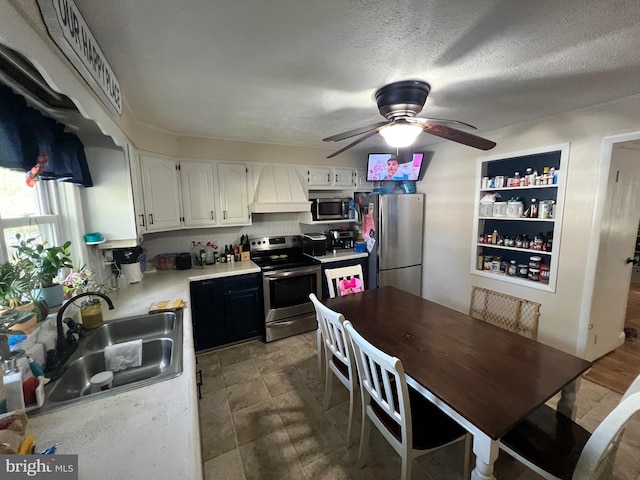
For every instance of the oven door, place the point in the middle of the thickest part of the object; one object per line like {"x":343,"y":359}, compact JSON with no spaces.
{"x":286,"y":292}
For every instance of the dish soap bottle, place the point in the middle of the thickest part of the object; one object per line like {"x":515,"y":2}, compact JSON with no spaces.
{"x":12,"y":380}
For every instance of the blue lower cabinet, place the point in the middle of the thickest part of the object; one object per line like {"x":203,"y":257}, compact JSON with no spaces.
{"x":226,"y":310}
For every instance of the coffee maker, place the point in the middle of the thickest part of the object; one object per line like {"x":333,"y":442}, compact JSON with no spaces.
{"x":340,"y":239}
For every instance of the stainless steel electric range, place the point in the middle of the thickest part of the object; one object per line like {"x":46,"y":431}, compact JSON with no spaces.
{"x":288,"y":277}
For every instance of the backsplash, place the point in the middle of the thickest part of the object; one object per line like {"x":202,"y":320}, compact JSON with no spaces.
{"x":180,"y":240}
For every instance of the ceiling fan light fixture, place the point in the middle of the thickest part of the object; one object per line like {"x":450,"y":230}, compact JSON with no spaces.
{"x":400,"y":134}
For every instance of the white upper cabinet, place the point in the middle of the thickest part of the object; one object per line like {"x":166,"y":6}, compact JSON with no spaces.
{"x":161,"y":185}
{"x":198,"y":193}
{"x":113,"y":205}
{"x":327,"y":177}
{"x":233,"y":187}
{"x":136,"y":187}
{"x":362,"y":184}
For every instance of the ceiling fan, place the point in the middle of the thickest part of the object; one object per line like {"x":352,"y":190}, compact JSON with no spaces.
{"x":400,"y":102}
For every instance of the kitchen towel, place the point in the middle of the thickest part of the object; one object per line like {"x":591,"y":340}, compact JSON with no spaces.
{"x":123,"y":355}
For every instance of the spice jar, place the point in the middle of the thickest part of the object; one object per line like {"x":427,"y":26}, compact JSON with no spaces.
{"x":534,"y":274}
{"x":91,"y":313}
{"x":523,"y":270}
{"x":535,"y":261}
{"x":512,"y":269}
{"x":488,"y":260}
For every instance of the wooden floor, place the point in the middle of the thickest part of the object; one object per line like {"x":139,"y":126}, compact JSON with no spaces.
{"x":618,"y":369}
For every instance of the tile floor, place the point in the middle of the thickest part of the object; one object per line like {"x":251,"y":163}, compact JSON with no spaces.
{"x":261,"y":418}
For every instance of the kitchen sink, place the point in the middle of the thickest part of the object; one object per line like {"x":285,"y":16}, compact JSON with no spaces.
{"x":74,"y":383}
{"x":132,"y":328}
{"x":161,"y":336}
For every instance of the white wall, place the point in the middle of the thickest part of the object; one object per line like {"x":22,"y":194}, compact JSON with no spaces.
{"x":450,"y":186}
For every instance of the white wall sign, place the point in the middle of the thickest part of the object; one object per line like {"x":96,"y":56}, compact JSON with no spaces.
{"x":71,"y":33}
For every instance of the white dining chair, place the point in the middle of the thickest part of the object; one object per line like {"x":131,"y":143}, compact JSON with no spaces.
{"x":352,"y":274}
{"x":339,"y":358}
{"x":334,"y":277}
{"x":556,"y":448}
{"x":408,"y":421}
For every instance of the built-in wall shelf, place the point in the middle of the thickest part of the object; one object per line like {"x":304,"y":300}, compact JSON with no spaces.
{"x":544,"y":172}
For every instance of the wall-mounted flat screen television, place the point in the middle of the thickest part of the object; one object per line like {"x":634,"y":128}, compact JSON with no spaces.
{"x":389,"y":166}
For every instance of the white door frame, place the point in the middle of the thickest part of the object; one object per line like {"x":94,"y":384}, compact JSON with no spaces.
{"x":606,"y":151}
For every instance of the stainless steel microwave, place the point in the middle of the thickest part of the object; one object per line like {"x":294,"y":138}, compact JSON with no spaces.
{"x":330,"y":208}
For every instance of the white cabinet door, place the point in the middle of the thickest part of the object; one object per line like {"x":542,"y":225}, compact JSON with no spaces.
{"x":198,"y":193}
{"x":342,"y":177}
{"x":319,"y":177}
{"x":136,"y":187}
{"x":233,"y":187}
{"x":161,"y":192}
{"x":361,"y":180}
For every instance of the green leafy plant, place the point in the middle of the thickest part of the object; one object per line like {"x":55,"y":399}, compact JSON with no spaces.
{"x":46,"y":261}
{"x":17,"y":278}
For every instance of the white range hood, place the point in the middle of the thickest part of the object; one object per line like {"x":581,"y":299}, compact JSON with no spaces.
{"x":280,"y":190}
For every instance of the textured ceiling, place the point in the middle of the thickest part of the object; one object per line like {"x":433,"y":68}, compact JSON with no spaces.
{"x":294,"y":71}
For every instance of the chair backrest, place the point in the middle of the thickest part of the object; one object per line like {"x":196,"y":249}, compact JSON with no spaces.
{"x":382,"y":377}
{"x":333,"y":333}
{"x":353,"y":275}
{"x":505,"y":311}
{"x":596,"y":453}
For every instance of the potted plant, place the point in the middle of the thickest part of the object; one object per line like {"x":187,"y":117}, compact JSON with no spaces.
{"x":16,"y":282}
{"x":46,"y":262}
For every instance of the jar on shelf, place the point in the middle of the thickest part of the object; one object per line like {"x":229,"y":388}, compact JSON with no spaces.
{"x":523,"y":270}
{"x":488,"y":260}
{"x":535,"y":262}
{"x":512,"y":269}
{"x":545,"y":272}
{"x":534,"y":274}
{"x":533,"y":208}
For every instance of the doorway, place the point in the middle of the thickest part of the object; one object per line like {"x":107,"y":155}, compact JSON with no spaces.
{"x":614,"y":302}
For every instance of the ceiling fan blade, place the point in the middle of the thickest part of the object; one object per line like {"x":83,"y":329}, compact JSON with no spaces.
{"x":352,"y":133}
{"x":356,"y":142}
{"x":439,"y":121}
{"x":459,"y":136}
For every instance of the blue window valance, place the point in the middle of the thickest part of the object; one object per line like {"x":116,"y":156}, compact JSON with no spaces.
{"x":25,"y":134}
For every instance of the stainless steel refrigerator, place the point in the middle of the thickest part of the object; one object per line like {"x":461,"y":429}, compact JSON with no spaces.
{"x":397,"y":222}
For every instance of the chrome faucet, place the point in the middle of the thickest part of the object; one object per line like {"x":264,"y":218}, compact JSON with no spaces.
{"x":62,"y":351}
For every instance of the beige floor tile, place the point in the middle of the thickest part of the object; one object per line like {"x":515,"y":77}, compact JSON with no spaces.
{"x":235,"y":354}
{"x":240,"y":372}
{"x":308,"y":371}
{"x":209,"y":365}
{"x":446,"y":462}
{"x":227,"y":466}
{"x":339,"y":418}
{"x":272,"y":362}
{"x":216,"y":425}
{"x":314,"y":437}
{"x":256,"y":421}
{"x":339,"y":392}
{"x":289,"y":341}
{"x":296,"y":405}
{"x":310,"y":338}
{"x":259,"y":348}
{"x":271,"y":457}
{"x":300,"y":352}
{"x":282,"y":381}
{"x":245,"y":394}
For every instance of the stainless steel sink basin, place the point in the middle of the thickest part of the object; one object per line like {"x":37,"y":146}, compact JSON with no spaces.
{"x":74,"y":383}
{"x":161,"y":335}
{"x":131,"y":328}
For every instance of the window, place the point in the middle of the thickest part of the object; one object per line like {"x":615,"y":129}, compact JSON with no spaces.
{"x":31,"y":212}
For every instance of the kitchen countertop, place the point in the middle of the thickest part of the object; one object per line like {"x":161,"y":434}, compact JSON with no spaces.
{"x":340,"y":255}
{"x":151,"y":432}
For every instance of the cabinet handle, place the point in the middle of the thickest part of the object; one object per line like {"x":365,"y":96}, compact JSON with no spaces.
{"x":224,"y":214}
{"x":212,"y":217}
{"x":199,"y":373}
{"x":199,"y":391}
{"x":336,"y":178}
{"x":328,"y":177}
{"x":142,"y":218}
{"x":151,"y":218}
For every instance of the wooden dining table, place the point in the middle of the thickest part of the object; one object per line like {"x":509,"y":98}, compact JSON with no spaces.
{"x":484,"y":377}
